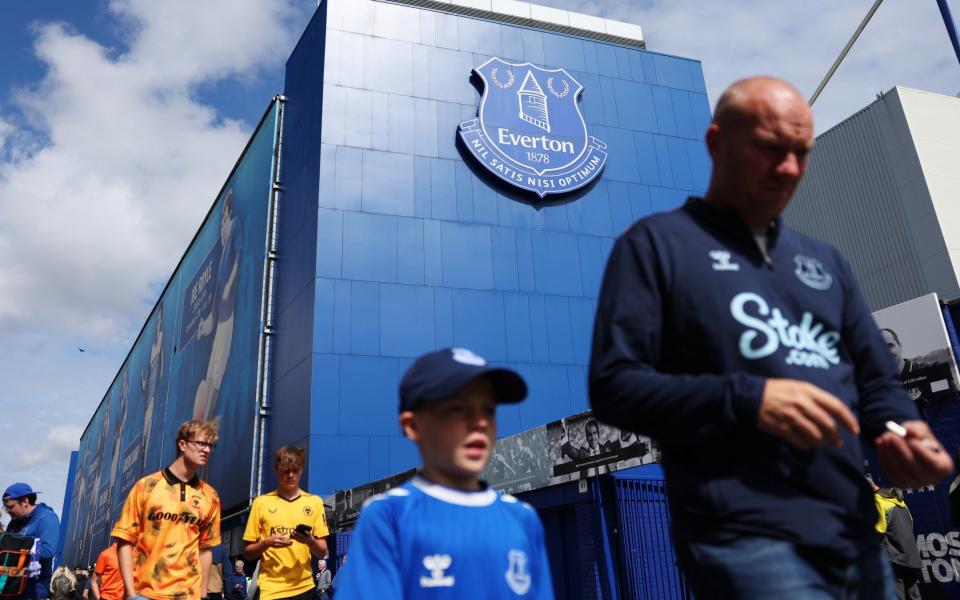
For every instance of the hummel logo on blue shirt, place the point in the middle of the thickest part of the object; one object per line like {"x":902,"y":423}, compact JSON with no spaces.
{"x":722,"y":262}
{"x":437,"y":564}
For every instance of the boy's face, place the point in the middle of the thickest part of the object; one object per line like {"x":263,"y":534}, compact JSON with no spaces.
{"x":456,"y":435}
{"x":288,"y":477}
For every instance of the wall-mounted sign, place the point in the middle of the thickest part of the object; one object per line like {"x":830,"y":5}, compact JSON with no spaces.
{"x":529,"y":130}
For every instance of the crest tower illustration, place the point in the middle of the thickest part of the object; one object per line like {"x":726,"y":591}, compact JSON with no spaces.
{"x":533,"y":103}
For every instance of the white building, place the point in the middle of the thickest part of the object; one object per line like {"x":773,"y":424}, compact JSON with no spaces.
{"x":884,"y":187}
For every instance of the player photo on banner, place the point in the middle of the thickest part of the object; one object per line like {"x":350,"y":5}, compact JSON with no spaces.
{"x":917,"y":338}
{"x":347,"y":503}
{"x":580,"y":446}
{"x":519,"y":462}
{"x":195,"y":357}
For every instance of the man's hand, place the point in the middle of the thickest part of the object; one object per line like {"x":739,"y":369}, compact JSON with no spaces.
{"x":803,"y":414}
{"x":317,"y":546}
{"x":277,"y":541}
{"x":915,"y":460}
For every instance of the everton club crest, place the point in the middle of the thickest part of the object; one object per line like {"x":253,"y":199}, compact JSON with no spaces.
{"x":529,"y":130}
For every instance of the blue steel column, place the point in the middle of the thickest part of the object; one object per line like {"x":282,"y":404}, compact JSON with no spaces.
{"x":67,"y":512}
{"x":951,"y":26}
{"x":607,"y":545}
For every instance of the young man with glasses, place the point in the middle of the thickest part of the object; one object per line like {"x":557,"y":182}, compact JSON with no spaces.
{"x":170,"y":523}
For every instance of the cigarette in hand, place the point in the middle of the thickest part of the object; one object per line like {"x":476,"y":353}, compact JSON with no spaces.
{"x":901,"y":432}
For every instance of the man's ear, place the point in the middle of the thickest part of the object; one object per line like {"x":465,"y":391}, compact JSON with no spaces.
{"x":409,"y":426}
{"x":712,"y":138}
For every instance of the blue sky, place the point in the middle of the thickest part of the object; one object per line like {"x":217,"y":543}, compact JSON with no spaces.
{"x":120,"y":120}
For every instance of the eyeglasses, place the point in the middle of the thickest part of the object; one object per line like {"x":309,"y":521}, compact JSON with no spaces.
{"x":8,"y":507}
{"x":201,"y":445}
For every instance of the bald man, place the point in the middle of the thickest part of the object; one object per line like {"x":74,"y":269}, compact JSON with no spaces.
{"x":748,"y":352}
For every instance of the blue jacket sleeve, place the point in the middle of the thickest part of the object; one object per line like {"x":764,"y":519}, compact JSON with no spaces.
{"x":881,"y":394}
{"x":373,"y":569}
{"x":628,"y":386}
{"x":48,"y":530}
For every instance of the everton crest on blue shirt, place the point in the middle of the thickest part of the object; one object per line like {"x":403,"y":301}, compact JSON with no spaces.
{"x":529,"y":130}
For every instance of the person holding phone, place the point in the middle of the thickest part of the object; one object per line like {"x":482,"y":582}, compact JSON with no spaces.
{"x":286,"y":530}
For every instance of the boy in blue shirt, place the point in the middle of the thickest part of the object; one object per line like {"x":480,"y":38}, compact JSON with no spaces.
{"x":445,"y":534}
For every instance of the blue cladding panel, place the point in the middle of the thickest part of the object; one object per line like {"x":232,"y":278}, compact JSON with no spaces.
{"x":663,"y":161}
{"x":403,"y":454}
{"x":620,"y":211}
{"x":679,"y":164}
{"x":365,"y":318}
{"x":331,"y":471}
{"x":467,"y":256}
{"x":591,"y":215}
{"x":443,"y":317}
{"x":683,"y":112}
{"x":647,"y":159}
{"x":323,"y":314}
{"x":560,"y":332}
{"x":549,"y":397}
{"x":608,"y":90}
{"x":517,"y":319}
{"x":700,"y":164}
{"x":637,"y":106}
{"x":369,"y":386}
{"x":369,"y":247}
{"x":556,"y":263}
{"x":607,"y":60}
{"x":663,"y":103}
{"x":412,"y":247}
{"x":478,"y":323}
{"x":410,"y":260}
{"x":325,"y":392}
{"x":406,"y":317}
{"x":673,"y":72}
{"x":443,"y":189}
{"x":533,"y":46}
{"x":577,"y":378}
{"x":390,"y":190}
{"x":563,"y":50}
{"x":591,"y":265}
{"x":379,"y":457}
{"x":329,"y":242}
{"x":538,"y":329}
{"x":504,"y":259}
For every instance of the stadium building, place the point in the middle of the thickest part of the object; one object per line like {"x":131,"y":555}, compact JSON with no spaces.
{"x":435,"y":173}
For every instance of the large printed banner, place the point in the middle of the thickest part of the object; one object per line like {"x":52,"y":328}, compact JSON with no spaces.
{"x":569,"y":449}
{"x":918,"y":339}
{"x":196,"y":357}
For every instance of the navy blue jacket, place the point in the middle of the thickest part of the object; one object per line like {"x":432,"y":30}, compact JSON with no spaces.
{"x":691,"y":321}
{"x":41,"y":523}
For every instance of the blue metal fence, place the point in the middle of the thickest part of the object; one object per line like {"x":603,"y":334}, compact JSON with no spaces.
{"x":648,"y":564}
{"x":341,"y":545}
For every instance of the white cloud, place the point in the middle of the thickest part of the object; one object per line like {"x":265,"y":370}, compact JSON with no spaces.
{"x":132,"y":164}
{"x":54,"y":448}
{"x":107,"y":166}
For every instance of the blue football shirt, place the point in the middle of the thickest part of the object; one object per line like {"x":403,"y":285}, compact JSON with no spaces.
{"x":425,"y":540}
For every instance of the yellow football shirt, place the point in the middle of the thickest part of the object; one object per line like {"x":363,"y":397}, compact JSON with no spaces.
{"x":286,"y":571}
{"x":169,"y":522}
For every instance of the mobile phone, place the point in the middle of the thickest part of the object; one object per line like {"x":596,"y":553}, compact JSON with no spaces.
{"x":303,"y":529}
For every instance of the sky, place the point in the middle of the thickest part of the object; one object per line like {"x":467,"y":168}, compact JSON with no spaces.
{"x":120,"y":120}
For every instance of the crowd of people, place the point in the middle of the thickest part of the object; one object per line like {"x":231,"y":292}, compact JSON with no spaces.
{"x":744,"y":348}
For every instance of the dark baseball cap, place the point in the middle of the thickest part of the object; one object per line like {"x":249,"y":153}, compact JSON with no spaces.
{"x":18,"y":490}
{"x":438,"y":375}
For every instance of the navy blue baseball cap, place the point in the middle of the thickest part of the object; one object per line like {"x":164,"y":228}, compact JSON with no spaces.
{"x":441,"y":374}
{"x":17,"y":491}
